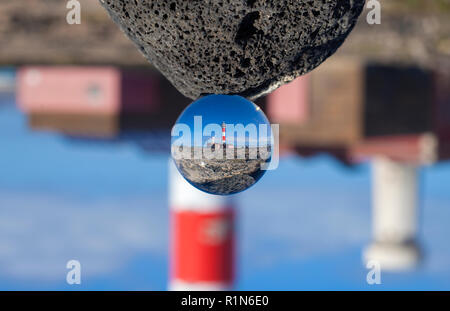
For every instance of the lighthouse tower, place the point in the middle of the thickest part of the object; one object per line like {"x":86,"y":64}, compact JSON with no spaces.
{"x":395,"y":215}
{"x":223,"y":135}
{"x":201,"y":237}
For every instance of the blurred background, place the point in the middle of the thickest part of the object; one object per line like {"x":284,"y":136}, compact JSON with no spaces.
{"x":364,"y":173}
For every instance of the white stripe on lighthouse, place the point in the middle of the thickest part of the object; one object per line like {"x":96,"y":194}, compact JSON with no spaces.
{"x":184,"y":196}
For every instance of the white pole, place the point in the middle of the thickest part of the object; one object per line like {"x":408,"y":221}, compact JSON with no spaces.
{"x":394,"y":219}
{"x":202,"y":237}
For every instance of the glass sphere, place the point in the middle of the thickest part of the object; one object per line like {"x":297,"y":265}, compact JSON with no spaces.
{"x":222,"y":144}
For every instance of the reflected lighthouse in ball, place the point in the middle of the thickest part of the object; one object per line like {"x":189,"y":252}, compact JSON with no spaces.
{"x":224,"y":140}
{"x":222,"y":144}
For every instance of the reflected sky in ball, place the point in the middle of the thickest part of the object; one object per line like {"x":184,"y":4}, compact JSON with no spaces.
{"x":216,"y":109}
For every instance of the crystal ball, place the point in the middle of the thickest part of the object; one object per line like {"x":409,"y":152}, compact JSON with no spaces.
{"x":222,"y":144}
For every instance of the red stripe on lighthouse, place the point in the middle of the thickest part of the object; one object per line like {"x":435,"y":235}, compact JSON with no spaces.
{"x":223,"y":132}
{"x":203,"y":246}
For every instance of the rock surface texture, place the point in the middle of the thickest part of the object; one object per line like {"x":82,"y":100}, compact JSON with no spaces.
{"x":245,"y":47}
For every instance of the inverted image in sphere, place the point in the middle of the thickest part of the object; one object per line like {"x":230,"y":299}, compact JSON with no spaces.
{"x":222,"y":144}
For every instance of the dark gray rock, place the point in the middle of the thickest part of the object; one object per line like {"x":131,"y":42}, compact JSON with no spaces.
{"x":245,"y":47}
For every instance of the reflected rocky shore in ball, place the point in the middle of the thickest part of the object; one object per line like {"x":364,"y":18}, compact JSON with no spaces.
{"x":224,"y":170}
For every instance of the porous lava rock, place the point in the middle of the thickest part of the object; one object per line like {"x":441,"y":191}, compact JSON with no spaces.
{"x":244,"y":47}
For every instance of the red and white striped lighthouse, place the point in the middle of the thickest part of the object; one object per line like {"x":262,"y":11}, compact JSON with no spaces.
{"x":202,"y":237}
{"x":223,"y":134}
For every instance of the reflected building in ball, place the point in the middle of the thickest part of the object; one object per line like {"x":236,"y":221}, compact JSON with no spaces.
{"x":241,"y":157}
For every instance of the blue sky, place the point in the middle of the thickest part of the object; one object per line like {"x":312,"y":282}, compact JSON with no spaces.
{"x":216,"y":109}
{"x":303,"y":226}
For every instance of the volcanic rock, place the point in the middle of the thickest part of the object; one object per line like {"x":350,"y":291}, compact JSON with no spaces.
{"x":244,"y":47}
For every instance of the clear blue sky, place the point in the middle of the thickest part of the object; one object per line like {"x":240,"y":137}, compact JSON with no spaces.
{"x":216,"y":109}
